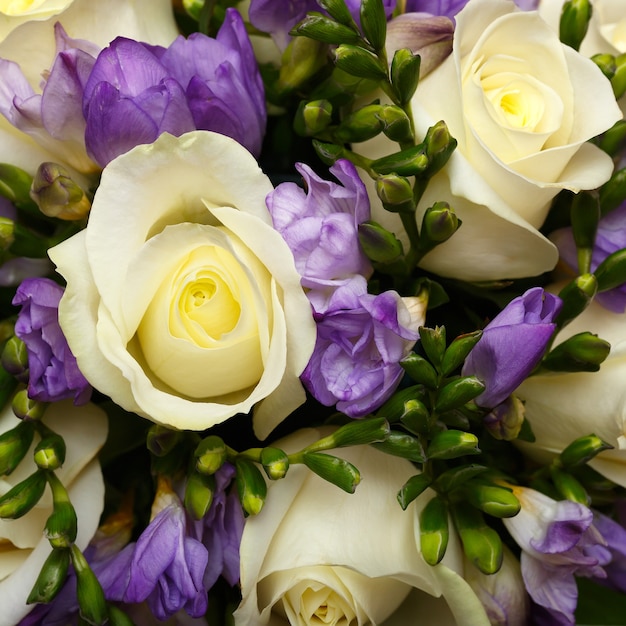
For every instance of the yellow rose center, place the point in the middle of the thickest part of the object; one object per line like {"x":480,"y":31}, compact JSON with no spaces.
{"x":19,"y":7}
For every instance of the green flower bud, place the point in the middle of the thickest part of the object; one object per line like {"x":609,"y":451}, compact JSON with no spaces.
{"x":451,"y":444}
{"x":583,"y":352}
{"x":320,"y":28}
{"x":210,"y":454}
{"x":457,"y":476}
{"x":402,"y":445}
{"x":333,"y":469}
{"x":199,"y":492}
{"x":412,"y":489}
{"x":7,"y":233}
{"x":301,"y":60}
{"x":582,"y":450}
{"x":434,"y":531}
{"x":251,"y":486}
{"x":491,"y":499}
{"x":117,"y":617}
{"x":611,"y":272}
{"x":506,"y":420}
{"x":50,"y":452}
{"x":438,"y":225}
{"x":15,"y":185}
{"x":313,"y":117}
{"x":61,"y":526}
{"x":354,"y":433}
{"x":338,"y":10}
{"x":457,"y":351}
{"x":23,"y":497}
{"x":585,"y":215}
{"x":51,"y":577}
{"x":405,"y":72}
{"x":91,"y":602}
{"x":359,"y":62}
{"x":275,"y":463}
{"x":433,"y":341}
{"x":575,"y":16}
{"x":606,"y":63}
{"x":379,"y":244}
{"x":193,"y":8}
{"x":420,"y":370}
{"x":394,"y":408}
{"x":14,"y":356}
{"x":397,"y":125}
{"x":57,"y":195}
{"x":458,"y":392}
{"x":328,"y":152}
{"x":569,"y":487}
{"x":482,"y":545}
{"x":410,"y":162}
{"x":439,"y":145}
{"x":27,"y":409}
{"x":618,"y":80}
{"x":161,"y":440}
{"x":14,"y":445}
{"x":576,"y":296}
{"x":396,"y":193}
{"x":361,"y":125}
{"x":416,"y":416}
{"x":374,"y":23}
{"x":612,"y":142}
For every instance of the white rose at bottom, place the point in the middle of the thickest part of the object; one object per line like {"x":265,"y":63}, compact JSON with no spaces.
{"x":317,"y":555}
{"x":23,"y":547}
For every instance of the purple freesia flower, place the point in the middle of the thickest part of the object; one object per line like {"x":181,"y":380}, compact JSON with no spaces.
{"x":610,"y":237}
{"x":53,"y":372}
{"x":136,"y":91}
{"x":320,"y":226}
{"x":512,"y":344}
{"x":360,"y":342}
{"x":559,"y":541}
{"x":615,"y":536}
{"x":449,"y":8}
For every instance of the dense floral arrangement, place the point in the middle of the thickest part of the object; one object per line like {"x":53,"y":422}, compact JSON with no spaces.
{"x":313,"y":312}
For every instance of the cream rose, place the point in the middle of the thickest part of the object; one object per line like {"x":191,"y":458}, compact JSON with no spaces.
{"x":24,"y":549}
{"x":563,"y":407}
{"x":522,"y":107}
{"x":16,"y":12}
{"x":316,"y":554}
{"x":183,"y":303}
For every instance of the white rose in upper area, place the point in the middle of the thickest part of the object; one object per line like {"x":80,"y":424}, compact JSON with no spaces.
{"x":316,"y":554}
{"x":183,"y":303}
{"x":522,"y":107}
{"x":563,"y":407}
{"x":24,"y":548}
{"x":16,"y":12}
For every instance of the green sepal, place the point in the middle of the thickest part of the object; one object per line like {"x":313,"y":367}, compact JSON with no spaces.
{"x":569,"y":487}
{"x":405,"y":72}
{"x":439,"y":223}
{"x":14,"y":357}
{"x":420,"y":370}
{"x":91,"y":602}
{"x":14,"y":444}
{"x":359,"y":62}
{"x":26,"y":408}
{"x":275,"y":463}
{"x":117,"y":617}
{"x":321,"y":28}
{"x":583,"y":352}
{"x":50,"y":452}
{"x":396,"y":124}
{"x":434,"y":530}
{"x":491,"y":499}
{"x":396,"y":193}
{"x":354,"y":433}
{"x":374,"y":23}
{"x":457,"y":351}
{"x":451,"y":444}
{"x":199,"y":492}
{"x":457,"y":476}
{"x":611,"y":272}
{"x":379,"y":244}
{"x":412,"y":489}
{"x":582,"y":450}
{"x":51,"y":577}
{"x":606,"y":63}
{"x":433,"y":342}
{"x":416,"y":417}
{"x":23,"y":497}
{"x":410,"y":162}
{"x":575,"y":16}
{"x":328,"y":152}
{"x":402,"y":445}
{"x":576,"y":296}
{"x":210,"y":454}
{"x":439,"y":146}
{"x":313,"y":117}
{"x":394,"y":408}
{"x":481,"y":543}
{"x":337,"y":471}
{"x":339,"y":11}
{"x":361,"y":125}
{"x":458,"y":392}
{"x":251,"y":486}
{"x":62,"y":525}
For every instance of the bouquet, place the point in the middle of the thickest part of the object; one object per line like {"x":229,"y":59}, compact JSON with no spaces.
{"x":313,"y":312}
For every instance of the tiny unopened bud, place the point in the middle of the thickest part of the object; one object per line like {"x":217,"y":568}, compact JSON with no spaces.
{"x":315,"y":116}
{"x":405,"y":71}
{"x":612,"y":142}
{"x":199,"y":492}
{"x":275,"y":463}
{"x":359,"y":62}
{"x":458,"y":350}
{"x":379,"y":244}
{"x":505,"y":421}
{"x":210,"y":454}
{"x":402,"y":445}
{"x":416,"y":417}
{"x":611,"y":272}
{"x":374,"y":23}
{"x":62,"y":525}
{"x":458,"y":392}
{"x":575,"y":16}
{"x":51,"y":578}
{"x":57,"y":195}
{"x":582,"y":450}
{"x":585,"y":215}
{"x":361,"y":125}
{"x":583,"y":352}
{"x":397,"y":125}
{"x":328,"y":152}
{"x":251,"y":486}
{"x":89,"y":592}
{"x":576,"y":296}
{"x":396,"y":193}
{"x":14,"y":358}
{"x":26,"y":408}
{"x":451,"y":444}
{"x":15,"y":184}
{"x":50,"y":452}
{"x":302,"y":59}
{"x":439,"y":146}
{"x":438,"y":225}
{"x":433,"y":341}
{"x":320,"y":28}
{"x":606,"y":63}
{"x":193,"y":8}
{"x":491,"y":499}
{"x":434,"y":531}
{"x":618,"y":81}
{"x":413,"y":488}
{"x":333,"y":469}
{"x":410,"y":162}
{"x":338,"y":10}
{"x":7,"y":233}
{"x":162,"y":440}
{"x":22,"y":497}
{"x":569,"y":487}
{"x":420,"y":370}
{"x":14,"y":444}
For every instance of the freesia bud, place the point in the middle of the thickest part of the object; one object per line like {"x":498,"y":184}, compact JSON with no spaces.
{"x":434,"y":531}
{"x":396,"y":193}
{"x":505,"y":421}
{"x":403,"y":445}
{"x":416,"y":416}
{"x":618,"y":80}
{"x":22,"y":497}
{"x":14,"y":444}
{"x":410,"y":162}
{"x":575,"y":17}
{"x":193,"y":8}
{"x":359,"y":62}
{"x":338,"y":10}
{"x":50,"y":452}
{"x":491,"y":499}
{"x":451,"y":444}
{"x":420,"y":370}
{"x":89,"y":593}
{"x":313,"y":117}
{"x":320,"y":28}
{"x":439,"y":146}
{"x":569,"y":487}
{"x":405,"y":71}
{"x":606,"y":63}
{"x":612,"y":142}
{"x":455,"y":477}
{"x":251,"y":486}
{"x":7,"y":233}
{"x":14,"y":357}
{"x":210,"y":454}
{"x":613,"y":192}
{"x":302,"y":59}
{"x":57,"y":195}
{"x":275,"y":463}
{"x":458,"y":392}
{"x":333,"y":469}
{"x":117,"y":617}
{"x":611,"y":272}
{"x":199,"y":492}
{"x":458,"y":350}
{"x":583,"y":352}
{"x":26,"y":408}
{"x":585,"y":215}
{"x":15,"y":185}
{"x":582,"y":450}
{"x":354,"y":433}
{"x":438,"y":225}
{"x":433,"y":341}
{"x":576,"y":296}
{"x":374,"y":23}
{"x":162,"y":440}
{"x":379,"y":244}
{"x":413,"y":488}
{"x":328,"y":152}
{"x":397,"y":125}
{"x":51,"y":578}
{"x":61,"y":526}
{"x":361,"y":125}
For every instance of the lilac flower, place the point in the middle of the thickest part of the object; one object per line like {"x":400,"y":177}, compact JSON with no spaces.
{"x":53,"y":372}
{"x":615,"y":536}
{"x":558,"y":541}
{"x":610,"y":237}
{"x":512,"y":344}
{"x":360,"y":342}
{"x":278,"y":17}
{"x":136,"y":91}
{"x":320,"y":227}
{"x":449,"y":8}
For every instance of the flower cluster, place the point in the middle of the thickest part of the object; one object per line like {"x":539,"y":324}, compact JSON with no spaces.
{"x":312,"y":311}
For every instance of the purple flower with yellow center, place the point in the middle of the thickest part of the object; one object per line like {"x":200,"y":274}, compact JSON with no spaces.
{"x":53,"y":372}
{"x":320,"y":226}
{"x":559,"y":541}
{"x":512,"y":344}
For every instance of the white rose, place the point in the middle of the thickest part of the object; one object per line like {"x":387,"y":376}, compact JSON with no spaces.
{"x":16,"y":12}
{"x":522,"y":107}
{"x":183,"y":303}
{"x":24,"y":548}
{"x":316,"y":554}
{"x":563,"y":407}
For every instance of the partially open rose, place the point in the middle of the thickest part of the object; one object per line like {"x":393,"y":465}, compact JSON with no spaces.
{"x":183,"y":303}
